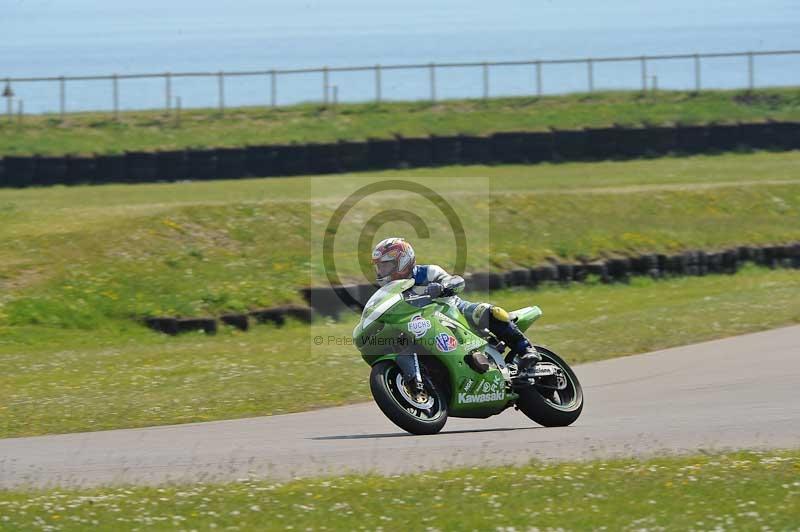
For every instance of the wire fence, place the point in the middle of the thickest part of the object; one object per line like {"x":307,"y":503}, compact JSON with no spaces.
{"x":268,"y":83}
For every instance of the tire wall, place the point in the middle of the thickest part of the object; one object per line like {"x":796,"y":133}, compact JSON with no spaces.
{"x":521,"y":147}
{"x":331,"y":301}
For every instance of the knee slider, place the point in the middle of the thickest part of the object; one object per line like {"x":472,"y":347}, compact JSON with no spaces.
{"x":500,"y":314}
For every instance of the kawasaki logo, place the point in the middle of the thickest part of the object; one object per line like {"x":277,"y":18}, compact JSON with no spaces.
{"x":481,"y":397}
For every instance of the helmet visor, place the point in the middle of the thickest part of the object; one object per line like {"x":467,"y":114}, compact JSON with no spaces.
{"x":385,"y":268}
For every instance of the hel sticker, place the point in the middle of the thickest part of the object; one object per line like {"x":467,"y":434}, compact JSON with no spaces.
{"x":468,"y":385}
{"x":445,"y":342}
{"x":495,"y":385}
{"x":473,"y":344}
{"x":447,"y":322}
{"x":419,"y":326}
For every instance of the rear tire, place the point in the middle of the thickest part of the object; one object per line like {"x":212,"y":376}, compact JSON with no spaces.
{"x":383,"y":385}
{"x":534,"y":403}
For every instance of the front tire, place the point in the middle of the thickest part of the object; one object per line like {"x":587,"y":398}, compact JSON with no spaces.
{"x":550,"y":409}
{"x":386,"y":384}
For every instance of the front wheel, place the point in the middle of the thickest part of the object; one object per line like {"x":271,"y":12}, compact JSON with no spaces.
{"x":557,"y":401}
{"x":417,"y":412}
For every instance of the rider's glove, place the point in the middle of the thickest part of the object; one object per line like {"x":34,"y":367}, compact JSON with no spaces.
{"x":434,"y":289}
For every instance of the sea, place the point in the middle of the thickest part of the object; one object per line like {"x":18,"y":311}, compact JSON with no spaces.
{"x":52,"y":38}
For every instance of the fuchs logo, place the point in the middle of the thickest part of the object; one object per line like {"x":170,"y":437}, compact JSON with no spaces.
{"x":419,"y":326}
{"x":445,"y":342}
{"x":481,"y":397}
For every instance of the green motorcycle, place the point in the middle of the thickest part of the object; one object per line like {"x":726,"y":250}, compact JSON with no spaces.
{"x":428,"y":364}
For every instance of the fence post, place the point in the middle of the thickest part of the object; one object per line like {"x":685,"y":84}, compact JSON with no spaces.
{"x":8,"y":94}
{"x":221,"y":86}
{"x":62,"y":97}
{"x":20,"y":110}
{"x":697,"y":84}
{"x":335,"y":95}
{"x":167,"y":92}
{"x":273,"y":88}
{"x":325,"y":98}
{"x":590,"y":72}
{"x":378,"y":91}
{"x":115,"y":91}
{"x":178,"y":111}
{"x":751,"y":75}
{"x":643,"y":61}
{"x":432,"y":68}
{"x":538,"y":78}
{"x":485,"y":81}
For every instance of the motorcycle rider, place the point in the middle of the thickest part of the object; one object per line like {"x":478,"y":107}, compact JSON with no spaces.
{"x":394,"y":259}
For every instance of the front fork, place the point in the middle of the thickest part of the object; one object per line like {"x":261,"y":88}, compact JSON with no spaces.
{"x":409,"y":366}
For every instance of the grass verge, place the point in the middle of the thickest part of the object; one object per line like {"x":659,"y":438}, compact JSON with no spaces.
{"x":85,"y":133}
{"x":56,"y":380}
{"x":735,"y":491}
{"x":79,"y":257}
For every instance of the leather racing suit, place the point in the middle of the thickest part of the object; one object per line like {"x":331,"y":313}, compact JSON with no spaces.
{"x":432,"y":279}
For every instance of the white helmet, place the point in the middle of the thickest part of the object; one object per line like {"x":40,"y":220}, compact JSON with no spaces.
{"x":393,"y":259}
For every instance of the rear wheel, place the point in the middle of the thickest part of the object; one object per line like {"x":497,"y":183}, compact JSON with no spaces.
{"x":556,"y":401}
{"x":415,"y":411}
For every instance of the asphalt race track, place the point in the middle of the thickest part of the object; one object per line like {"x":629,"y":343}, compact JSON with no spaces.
{"x":741,"y":392}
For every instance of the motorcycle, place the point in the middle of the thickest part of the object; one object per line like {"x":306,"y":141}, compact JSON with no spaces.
{"x":428,"y":364}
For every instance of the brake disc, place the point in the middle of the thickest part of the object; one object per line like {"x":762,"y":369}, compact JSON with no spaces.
{"x":422,"y":400}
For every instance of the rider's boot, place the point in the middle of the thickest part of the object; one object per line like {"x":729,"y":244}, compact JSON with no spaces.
{"x":503,"y":328}
{"x":528,"y":359}
{"x":485,"y":316}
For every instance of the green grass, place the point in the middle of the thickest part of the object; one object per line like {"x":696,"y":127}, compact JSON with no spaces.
{"x":735,"y":491}
{"x":80,"y":257}
{"x":56,"y":380}
{"x":153,"y":130}
{"x":78,"y":265}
